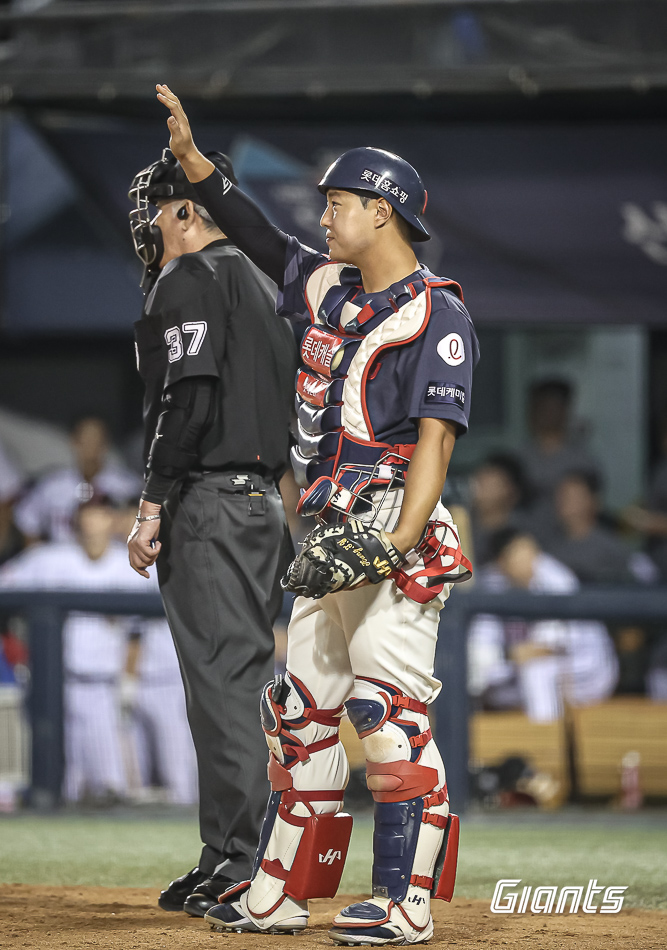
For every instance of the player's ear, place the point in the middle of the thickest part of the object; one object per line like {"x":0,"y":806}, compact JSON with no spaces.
{"x":383,"y":212}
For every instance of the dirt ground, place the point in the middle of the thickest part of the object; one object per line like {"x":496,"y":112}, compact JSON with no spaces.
{"x":115,"y":918}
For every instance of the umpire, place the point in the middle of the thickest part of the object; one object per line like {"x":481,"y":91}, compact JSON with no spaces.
{"x":218,"y":368}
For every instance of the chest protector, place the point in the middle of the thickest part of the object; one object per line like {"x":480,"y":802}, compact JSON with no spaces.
{"x":338,"y":460}
{"x":338,"y":354}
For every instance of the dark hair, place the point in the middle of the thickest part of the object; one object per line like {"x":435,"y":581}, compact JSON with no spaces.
{"x":511,"y":467}
{"x":559,"y":388}
{"x":95,"y":500}
{"x":501,"y":539}
{"x":78,"y":420}
{"x":592,"y":480}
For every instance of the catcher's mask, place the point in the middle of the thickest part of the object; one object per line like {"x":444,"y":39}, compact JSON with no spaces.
{"x":164,"y":179}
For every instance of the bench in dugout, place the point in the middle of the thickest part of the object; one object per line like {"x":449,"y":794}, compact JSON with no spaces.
{"x":595,"y":739}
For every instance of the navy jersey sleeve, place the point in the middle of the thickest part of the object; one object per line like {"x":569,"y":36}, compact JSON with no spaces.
{"x":300,"y":263}
{"x":442,"y":384}
{"x":192,"y":306}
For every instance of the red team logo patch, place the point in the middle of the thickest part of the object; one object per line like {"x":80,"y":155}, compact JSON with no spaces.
{"x":321,"y":351}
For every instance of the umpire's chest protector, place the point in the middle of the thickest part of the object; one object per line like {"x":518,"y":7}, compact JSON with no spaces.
{"x":341,"y":352}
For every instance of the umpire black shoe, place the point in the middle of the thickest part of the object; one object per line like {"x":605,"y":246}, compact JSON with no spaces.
{"x":174,"y":896}
{"x":206,"y":895}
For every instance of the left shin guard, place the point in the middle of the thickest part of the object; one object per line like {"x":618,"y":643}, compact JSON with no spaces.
{"x":415,"y":839}
{"x":304,"y":838}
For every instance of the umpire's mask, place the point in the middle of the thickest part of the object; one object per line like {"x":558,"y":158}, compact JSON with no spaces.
{"x":164,"y":179}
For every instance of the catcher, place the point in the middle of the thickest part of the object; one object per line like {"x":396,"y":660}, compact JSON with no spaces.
{"x":382,"y":395}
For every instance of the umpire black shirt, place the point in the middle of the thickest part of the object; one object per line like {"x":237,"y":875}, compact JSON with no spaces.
{"x":212,"y":314}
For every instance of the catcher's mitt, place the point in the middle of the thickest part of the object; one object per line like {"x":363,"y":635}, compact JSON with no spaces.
{"x":340,"y":556}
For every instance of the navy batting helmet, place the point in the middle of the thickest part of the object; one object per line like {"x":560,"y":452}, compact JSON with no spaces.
{"x":383,"y":174}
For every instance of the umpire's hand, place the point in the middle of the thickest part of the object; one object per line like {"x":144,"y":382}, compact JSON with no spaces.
{"x":142,"y":542}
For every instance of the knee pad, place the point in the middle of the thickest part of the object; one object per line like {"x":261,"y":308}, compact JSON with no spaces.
{"x":286,"y":707}
{"x":393,"y":740}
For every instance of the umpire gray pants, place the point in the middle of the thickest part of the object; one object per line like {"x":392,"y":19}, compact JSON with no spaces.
{"x":219,"y":569}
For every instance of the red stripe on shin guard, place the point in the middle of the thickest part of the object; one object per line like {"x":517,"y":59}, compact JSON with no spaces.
{"x":445,"y":889}
{"x":398,"y":781}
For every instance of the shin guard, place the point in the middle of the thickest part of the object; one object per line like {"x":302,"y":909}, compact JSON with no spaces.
{"x":305,"y":838}
{"x":414,"y":833}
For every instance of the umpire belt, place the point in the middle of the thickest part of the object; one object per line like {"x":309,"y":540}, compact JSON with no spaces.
{"x":235,"y":483}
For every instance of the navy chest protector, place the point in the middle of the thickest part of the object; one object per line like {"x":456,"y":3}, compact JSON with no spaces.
{"x":326,"y":446}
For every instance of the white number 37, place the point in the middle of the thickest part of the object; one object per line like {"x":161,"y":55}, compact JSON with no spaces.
{"x":174,"y":340}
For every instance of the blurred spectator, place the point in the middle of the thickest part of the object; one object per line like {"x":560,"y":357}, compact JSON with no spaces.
{"x":589,"y":549}
{"x":497,"y":495}
{"x":11,"y":482}
{"x":46,"y":511}
{"x":536,"y":666}
{"x":155,"y":701}
{"x":651,"y":520}
{"x":94,"y":652}
{"x":555,"y":449}
{"x":656,"y":677}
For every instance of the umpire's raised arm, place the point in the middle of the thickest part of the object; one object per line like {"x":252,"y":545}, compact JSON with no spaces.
{"x":235,"y":213}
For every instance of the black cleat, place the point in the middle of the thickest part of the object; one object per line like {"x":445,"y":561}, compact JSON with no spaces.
{"x":206,"y":895}
{"x":173,"y":897}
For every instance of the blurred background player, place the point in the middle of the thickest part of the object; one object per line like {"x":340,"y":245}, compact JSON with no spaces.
{"x":11,"y":482}
{"x":650,"y":519}
{"x":497,"y":500}
{"x":94,"y":647}
{"x":153,"y":701}
{"x":45,"y":512}
{"x":589,"y":548}
{"x":218,"y":370}
{"x":536,"y":666}
{"x":556,"y":446}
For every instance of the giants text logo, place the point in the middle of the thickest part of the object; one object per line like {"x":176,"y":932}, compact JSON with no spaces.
{"x":544,"y":898}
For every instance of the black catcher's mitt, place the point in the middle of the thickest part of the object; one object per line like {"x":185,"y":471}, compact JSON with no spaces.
{"x":340,"y":556}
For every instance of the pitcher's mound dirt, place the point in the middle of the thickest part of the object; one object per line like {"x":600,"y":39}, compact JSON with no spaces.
{"x":125,"y":918}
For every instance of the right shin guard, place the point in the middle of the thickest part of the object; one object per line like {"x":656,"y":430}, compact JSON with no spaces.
{"x":304,"y":838}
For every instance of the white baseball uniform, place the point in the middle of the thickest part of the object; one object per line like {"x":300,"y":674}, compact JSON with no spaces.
{"x":46,"y":511}
{"x":583,"y":669}
{"x":95,"y":649}
{"x":163,"y":739}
